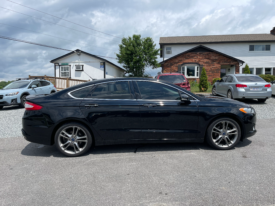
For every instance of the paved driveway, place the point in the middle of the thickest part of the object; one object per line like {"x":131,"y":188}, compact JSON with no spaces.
{"x":156,"y":174}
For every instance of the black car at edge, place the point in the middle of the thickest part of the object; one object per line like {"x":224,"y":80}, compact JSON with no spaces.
{"x":133,"y":110}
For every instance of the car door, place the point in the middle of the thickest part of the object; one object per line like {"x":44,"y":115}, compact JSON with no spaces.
{"x":163,"y":117}
{"x":45,"y":87}
{"x":228,"y":84}
{"x":112,"y":111}
{"x":35,"y":91}
{"x":221,"y":86}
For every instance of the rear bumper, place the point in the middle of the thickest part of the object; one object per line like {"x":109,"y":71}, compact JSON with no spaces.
{"x":252,"y":95}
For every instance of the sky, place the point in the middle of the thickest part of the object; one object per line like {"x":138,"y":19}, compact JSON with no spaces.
{"x":123,"y":18}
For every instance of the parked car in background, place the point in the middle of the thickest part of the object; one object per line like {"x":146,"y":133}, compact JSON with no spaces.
{"x":175,"y":78}
{"x":242,"y":86}
{"x":273,"y":87}
{"x":16,"y":92}
{"x":133,"y":110}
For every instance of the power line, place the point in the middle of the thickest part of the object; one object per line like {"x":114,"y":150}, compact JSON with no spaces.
{"x":45,"y":34}
{"x":63,"y":19}
{"x":44,"y":45}
{"x":54,"y":23}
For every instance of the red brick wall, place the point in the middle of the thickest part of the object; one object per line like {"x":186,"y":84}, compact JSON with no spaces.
{"x":211,"y":61}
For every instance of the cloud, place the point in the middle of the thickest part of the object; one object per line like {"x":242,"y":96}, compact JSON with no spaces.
{"x":120,"y":18}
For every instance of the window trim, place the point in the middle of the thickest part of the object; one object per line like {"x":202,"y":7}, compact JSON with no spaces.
{"x":197,"y":71}
{"x":134,"y":99}
{"x":69,"y":71}
{"x":259,"y":45}
{"x":167,"y":50}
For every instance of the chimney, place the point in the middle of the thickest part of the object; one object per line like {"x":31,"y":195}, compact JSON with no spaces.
{"x":272,"y":31}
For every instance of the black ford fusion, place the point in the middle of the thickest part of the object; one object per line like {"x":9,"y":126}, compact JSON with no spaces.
{"x":134,"y":110}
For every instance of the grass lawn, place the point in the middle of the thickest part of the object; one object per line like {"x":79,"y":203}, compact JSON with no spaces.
{"x":195,"y":88}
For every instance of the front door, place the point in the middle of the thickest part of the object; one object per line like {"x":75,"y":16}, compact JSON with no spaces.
{"x":162,"y":114}
{"x":112,"y":111}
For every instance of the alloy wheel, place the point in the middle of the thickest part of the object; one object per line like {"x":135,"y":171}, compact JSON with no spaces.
{"x":214,"y":91}
{"x":72,"y":139}
{"x":224,"y":134}
{"x":229,"y":95}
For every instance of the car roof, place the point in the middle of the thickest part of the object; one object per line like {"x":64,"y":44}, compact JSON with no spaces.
{"x":166,"y":74}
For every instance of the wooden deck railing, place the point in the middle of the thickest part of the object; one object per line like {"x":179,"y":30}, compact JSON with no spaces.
{"x":58,"y":82}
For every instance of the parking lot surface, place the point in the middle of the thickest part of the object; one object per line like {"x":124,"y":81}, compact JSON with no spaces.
{"x":152,"y":174}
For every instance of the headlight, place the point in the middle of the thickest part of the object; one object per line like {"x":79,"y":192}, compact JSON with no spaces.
{"x":247,"y":110}
{"x":12,"y":94}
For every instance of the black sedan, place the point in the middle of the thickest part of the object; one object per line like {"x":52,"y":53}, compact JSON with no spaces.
{"x":134,"y":110}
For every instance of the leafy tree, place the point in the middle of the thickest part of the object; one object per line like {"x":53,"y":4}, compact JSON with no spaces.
{"x":136,"y":53}
{"x":246,"y":70}
{"x":3,"y":84}
{"x":203,"y":85}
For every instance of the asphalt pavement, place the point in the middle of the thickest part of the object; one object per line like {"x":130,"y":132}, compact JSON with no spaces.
{"x":152,"y":174}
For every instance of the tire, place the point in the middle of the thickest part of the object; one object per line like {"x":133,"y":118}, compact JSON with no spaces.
{"x":1,"y":107}
{"x":229,"y":94}
{"x":52,"y":92}
{"x":68,"y":144}
{"x":214,"y":92}
{"x":23,"y":100}
{"x":261,"y":100}
{"x":221,"y":136}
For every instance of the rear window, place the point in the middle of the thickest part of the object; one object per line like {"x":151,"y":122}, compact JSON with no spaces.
{"x":249,"y":79}
{"x":174,"y":79}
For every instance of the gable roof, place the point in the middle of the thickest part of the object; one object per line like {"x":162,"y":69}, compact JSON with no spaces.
{"x":92,"y":55}
{"x":233,"y":38}
{"x":202,"y":48}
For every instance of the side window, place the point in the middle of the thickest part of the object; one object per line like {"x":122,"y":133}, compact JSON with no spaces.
{"x":224,"y":79}
{"x":229,"y":79}
{"x":151,"y":90}
{"x":44,"y":83}
{"x":112,"y":90}
{"x":37,"y":83}
{"x":82,"y":93}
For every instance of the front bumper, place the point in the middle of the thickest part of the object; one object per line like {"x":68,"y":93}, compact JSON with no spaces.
{"x":9,"y":100}
{"x":249,"y":126}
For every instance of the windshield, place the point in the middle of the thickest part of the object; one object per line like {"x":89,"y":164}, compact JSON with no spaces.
{"x":174,"y":79}
{"x":249,"y":79}
{"x":17,"y":85}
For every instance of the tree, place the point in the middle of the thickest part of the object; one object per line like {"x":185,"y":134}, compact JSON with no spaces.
{"x":136,"y":53}
{"x":203,"y":86}
{"x":246,"y":70}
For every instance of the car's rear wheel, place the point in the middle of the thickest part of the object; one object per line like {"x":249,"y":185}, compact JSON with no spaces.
{"x":214,"y":92}
{"x":52,"y":92}
{"x":23,"y":100}
{"x":229,"y":94}
{"x":223,"y":134}
{"x":73,"y":139}
{"x":261,"y":100}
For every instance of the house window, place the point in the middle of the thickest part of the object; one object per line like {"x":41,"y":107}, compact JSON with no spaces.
{"x":259,"y":71}
{"x":251,"y":70}
{"x":65,"y":71}
{"x":168,"y":50}
{"x":267,"y":70}
{"x":190,"y":71}
{"x":259,"y":47}
{"x":79,"y":67}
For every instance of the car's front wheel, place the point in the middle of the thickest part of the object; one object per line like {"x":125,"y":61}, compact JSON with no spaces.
{"x":223,"y":134}
{"x":73,"y":139}
{"x":23,"y":100}
{"x":214,"y":92}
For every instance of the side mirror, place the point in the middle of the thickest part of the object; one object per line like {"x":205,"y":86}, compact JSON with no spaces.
{"x":34,"y":86}
{"x":185,"y":98}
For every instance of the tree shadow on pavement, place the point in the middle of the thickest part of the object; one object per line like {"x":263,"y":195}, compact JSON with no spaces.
{"x":33,"y":149}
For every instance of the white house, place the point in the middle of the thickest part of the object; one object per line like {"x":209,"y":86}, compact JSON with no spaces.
{"x":84,"y":66}
{"x":219,"y":54}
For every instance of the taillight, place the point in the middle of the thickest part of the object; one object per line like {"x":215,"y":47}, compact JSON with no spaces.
{"x":31,"y":106}
{"x":267,"y":85}
{"x":240,"y":85}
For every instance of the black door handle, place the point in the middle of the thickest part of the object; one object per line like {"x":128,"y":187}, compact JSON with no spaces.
{"x":91,"y":105}
{"x":150,"y":105}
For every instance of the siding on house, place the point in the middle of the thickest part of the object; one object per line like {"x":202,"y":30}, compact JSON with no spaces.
{"x":254,"y":59}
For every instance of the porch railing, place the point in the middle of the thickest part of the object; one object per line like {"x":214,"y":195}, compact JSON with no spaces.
{"x":58,"y":82}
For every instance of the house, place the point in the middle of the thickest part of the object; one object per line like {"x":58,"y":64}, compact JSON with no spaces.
{"x":218,"y":54}
{"x":84,"y":66}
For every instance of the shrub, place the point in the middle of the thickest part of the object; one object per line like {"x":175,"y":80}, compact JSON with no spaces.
{"x":246,"y":70}
{"x":214,"y":80}
{"x":203,"y":86}
{"x":267,"y":77}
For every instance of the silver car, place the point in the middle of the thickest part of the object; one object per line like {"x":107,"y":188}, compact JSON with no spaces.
{"x":243,"y":86}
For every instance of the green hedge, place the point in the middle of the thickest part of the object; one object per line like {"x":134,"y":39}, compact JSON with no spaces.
{"x":214,"y":80}
{"x":267,"y":77}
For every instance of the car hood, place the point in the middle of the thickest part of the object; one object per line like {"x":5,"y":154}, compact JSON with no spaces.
{"x":221,"y":101}
{"x":7,"y":91}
